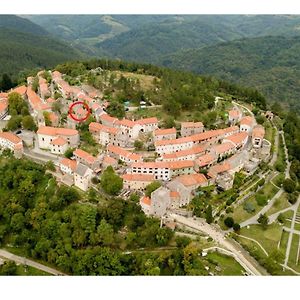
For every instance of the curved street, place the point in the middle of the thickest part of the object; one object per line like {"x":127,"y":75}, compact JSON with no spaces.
{"x":25,"y":261}
{"x":247,"y":262}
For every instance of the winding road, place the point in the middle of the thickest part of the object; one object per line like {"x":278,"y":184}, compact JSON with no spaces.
{"x":25,"y":261}
{"x":247,"y":262}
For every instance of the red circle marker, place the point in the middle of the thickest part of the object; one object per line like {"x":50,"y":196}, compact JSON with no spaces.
{"x":86,"y":107}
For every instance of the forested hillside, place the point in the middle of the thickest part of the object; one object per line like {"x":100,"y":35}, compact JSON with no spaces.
{"x":21,"y":24}
{"x":270,"y":64}
{"x":27,"y":51}
{"x":26,"y":46}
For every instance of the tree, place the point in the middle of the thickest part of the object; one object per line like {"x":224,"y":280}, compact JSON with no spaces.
{"x":263,"y":220}
{"x":28,"y":123}
{"x":111,"y":182}
{"x":35,"y":84}
{"x":182,"y":241}
{"x":292,"y":198}
{"x":47,"y":118}
{"x":152,"y":187}
{"x":169,"y":122}
{"x":236,"y":227}
{"x":116,"y":109}
{"x":229,"y":222}
{"x":57,"y":106}
{"x":289,"y":185}
{"x":8,"y":268}
{"x":208,"y":215}
{"x":6,"y":83}
{"x":138,"y":145}
{"x":14,"y":123}
{"x":105,"y":233}
{"x":69,"y":153}
{"x":261,"y":199}
{"x":16,"y":104}
{"x":50,"y":165}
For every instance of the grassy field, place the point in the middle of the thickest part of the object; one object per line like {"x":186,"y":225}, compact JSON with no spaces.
{"x":283,"y":241}
{"x":294,"y":251}
{"x":30,"y":271}
{"x":279,"y":204}
{"x":288,"y":215}
{"x":227,"y":264}
{"x":268,"y":238}
{"x":240,"y":215}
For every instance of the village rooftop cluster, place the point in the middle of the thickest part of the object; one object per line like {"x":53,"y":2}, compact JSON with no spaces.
{"x":181,"y":160}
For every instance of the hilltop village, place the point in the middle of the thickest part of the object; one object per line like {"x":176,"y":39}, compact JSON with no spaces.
{"x":182,"y":161}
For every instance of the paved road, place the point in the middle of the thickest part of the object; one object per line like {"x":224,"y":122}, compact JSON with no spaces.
{"x":253,"y":220}
{"x":276,"y":143}
{"x":244,"y":107}
{"x":25,"y":261}
{"x":289,"y":243}
{"x":288,"y":164}
{"x":220,"y":238}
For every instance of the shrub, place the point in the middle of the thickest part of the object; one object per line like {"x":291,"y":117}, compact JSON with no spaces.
{"x":236,"y":227}
{"x":229,"y":222}
{"x":261,"y":199}
{"x":289,"y":185}
{"x":249,"y":207}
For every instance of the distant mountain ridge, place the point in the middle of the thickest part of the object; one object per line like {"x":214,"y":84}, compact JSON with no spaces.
{"x":26,"y":46}
{"x":270,"y":64}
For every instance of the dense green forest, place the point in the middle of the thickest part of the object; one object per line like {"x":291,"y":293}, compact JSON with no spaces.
{"x":45,"y":221}
{"x":27,"y":46}
{"x":177,"y":91}
{"x":270,"y":64}
{"x":21,"y":24}
{"x":27,"y":51}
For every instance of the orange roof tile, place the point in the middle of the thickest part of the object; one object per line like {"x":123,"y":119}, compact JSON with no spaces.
{"x":48,"y":130}
{"x":85,"y":156}
{"x":174,"y":194}
{"x":165,"y":131}
{"x":122,"y":152}
{"x":194,"y":150}
{"x":138,"y":177}
{"x":258,"y":132}
{"x":20,"y":90}
{"x":10,"y":137}
{"x":108,"y":118}
{"x":164,"y":165}
{"x":234,"y":113}
{"x":222,"y":148}
{"x":147,"y":121}
{"x":109,"y":160}
{"x":69,"y":163}
{"x":3,"y":106}
{"x":205,"y":160}
{"x":193,"y":179}
{"x":59,"y":141}
{"x":146,"y":200}
{"x":247,"y":121}
{"x":237,"y":138}
{"x":217,"y":169}
{"x":126,"y":123}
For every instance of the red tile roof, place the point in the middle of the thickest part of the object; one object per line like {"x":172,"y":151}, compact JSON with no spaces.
{"x":69,"y":163}
{"x":247,"y":121}
{"x":258,"y":132}
{"x":138,"y":177}
{"x":48,"y":130}
{"x":193,"y":179}
{"x":85,"y":156}
{"x":165,"y":131}
{"x":146,"y":200}
{"x":59,"y":141}
{"x":10,"y":137}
